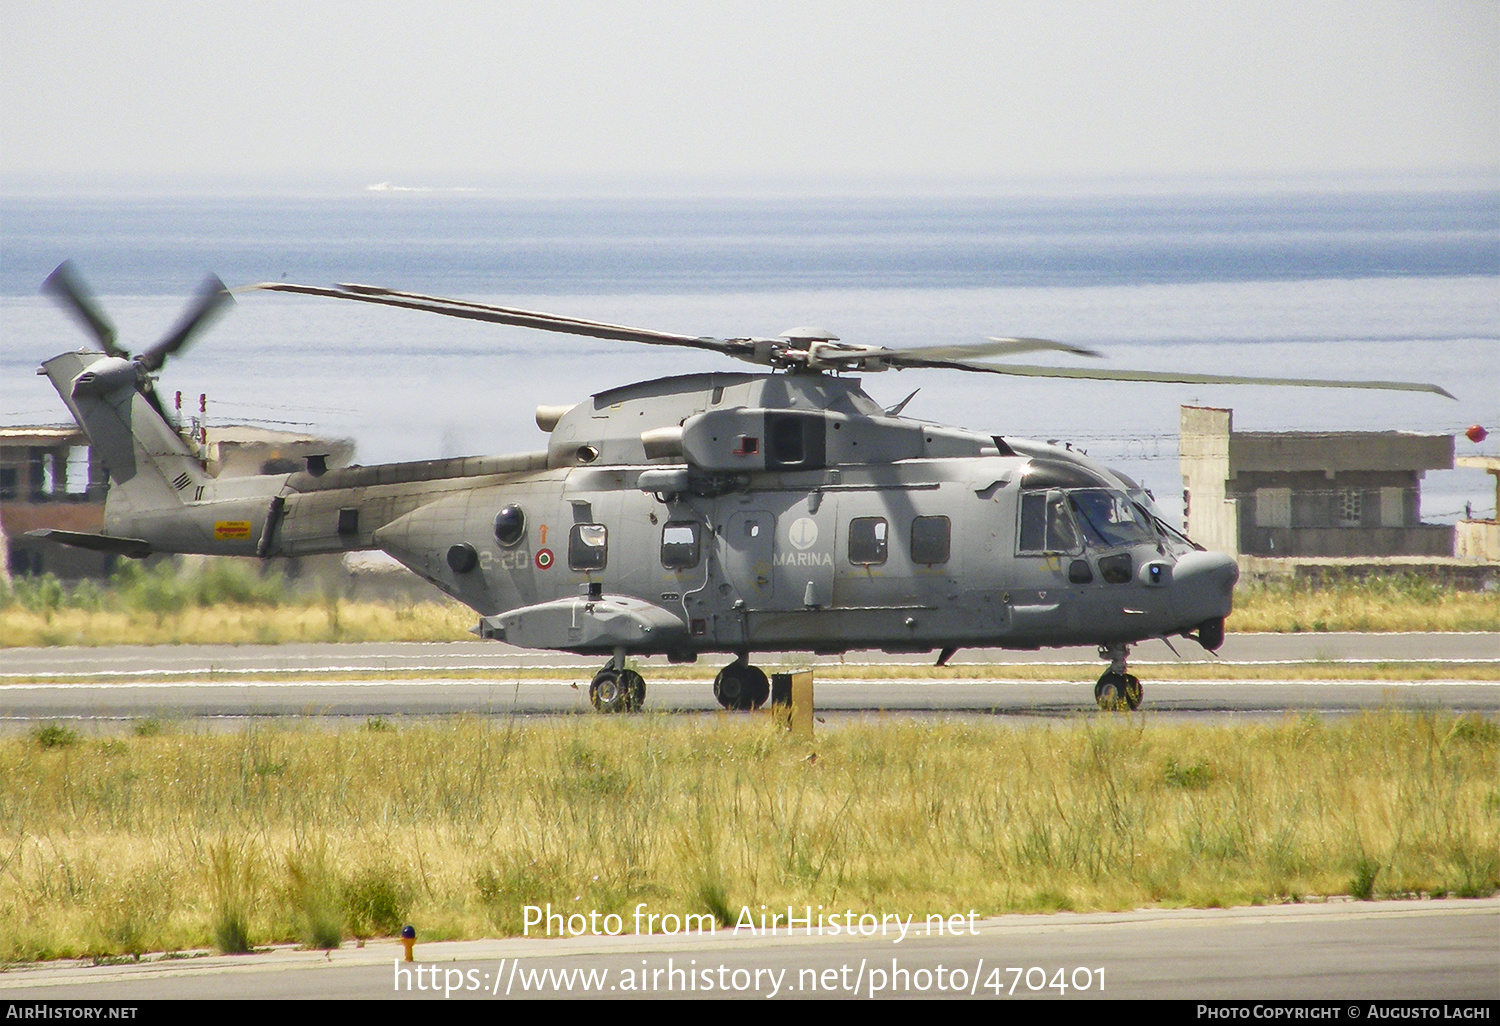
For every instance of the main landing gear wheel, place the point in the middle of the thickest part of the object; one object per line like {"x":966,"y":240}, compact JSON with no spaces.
{"x":1118,"y":691}
{"x":742,"y":687}
{"x":614,"y":691}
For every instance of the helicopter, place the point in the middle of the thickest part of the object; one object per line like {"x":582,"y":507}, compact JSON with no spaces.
{"x":777,"y":509}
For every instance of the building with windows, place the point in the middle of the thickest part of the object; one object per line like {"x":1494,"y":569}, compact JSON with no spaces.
{"x":48,"y":479}
{"x":1309,"y":494}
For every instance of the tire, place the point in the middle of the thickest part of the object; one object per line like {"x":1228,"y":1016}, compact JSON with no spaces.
{"x":759,"y":688}
{"x":741,"y":687}
{"x":1110,"y":691}
{"x":1133,"y":691}
{"x":607,"y":692}
{"x":634,"y":686}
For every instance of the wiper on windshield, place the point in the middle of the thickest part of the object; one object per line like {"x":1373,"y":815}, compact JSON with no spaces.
{"x":1167,"y":528}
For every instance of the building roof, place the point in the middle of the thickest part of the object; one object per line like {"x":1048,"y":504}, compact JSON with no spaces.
{"x":1334,"y":451}
{"x":46,"y":437}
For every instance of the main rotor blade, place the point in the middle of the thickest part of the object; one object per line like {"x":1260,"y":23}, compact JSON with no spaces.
{"x":66,"y":286}
{"x":208,"y":303}
{"x":993,"y":347}
{"x":509,"y":315}
{"x":1023,"y":370}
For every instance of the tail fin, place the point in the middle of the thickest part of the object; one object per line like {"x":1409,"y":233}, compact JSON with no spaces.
{"x":150,"y":466}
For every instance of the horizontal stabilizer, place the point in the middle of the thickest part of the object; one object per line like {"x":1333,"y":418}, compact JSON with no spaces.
{"x":135,"y":548}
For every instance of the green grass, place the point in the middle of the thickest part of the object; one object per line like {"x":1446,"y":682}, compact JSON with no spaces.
{"x":177,"y":840}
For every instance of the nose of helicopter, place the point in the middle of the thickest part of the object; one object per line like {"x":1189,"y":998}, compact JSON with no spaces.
{"x":1203,"y":586}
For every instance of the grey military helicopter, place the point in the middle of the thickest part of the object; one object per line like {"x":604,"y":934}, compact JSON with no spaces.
{"x":736,"y":513}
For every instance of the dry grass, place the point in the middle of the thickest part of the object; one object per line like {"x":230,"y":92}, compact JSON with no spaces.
{"x":173,"y":840}
{"x":1280,"y":609}
{"x":234,"y":624}
{"x":1402,"y":602}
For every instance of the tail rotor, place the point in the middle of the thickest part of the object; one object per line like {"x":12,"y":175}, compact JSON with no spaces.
{"x":66,"y":286}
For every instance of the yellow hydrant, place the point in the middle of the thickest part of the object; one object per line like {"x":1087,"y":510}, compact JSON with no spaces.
{"x":408,"y":940}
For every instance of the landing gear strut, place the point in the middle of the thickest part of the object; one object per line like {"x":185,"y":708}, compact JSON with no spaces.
{"x":616,"y":689}
{"x":1117,"y":690}
{"x":741,"y":686}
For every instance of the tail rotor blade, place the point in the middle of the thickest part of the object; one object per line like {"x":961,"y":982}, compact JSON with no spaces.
{"x":66,"y":286}
{"x":209,"y":302}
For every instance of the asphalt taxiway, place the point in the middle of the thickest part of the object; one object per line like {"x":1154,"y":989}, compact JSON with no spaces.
{"x":1336,"y":952}
{"x":226,"y":683}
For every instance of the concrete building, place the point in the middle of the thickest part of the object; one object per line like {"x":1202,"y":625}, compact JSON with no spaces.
{"x":1479,"y":540}
{"x":48,"y":479}
{"x":1309,"y":494}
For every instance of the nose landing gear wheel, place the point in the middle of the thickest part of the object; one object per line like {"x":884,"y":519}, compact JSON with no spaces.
{"x":1117,"y":692}
{"x":742,"y":687}
{"x":635,"y":690}
{"x":614,"y":691}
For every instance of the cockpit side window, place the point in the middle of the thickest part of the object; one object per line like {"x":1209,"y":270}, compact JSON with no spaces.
{"x":1046,"y":524}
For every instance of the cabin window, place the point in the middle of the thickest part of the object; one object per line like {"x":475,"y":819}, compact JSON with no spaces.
{"x":930,"y":540}
{"x":868,"y":540}
{"x":679,"y":545}
{"x":510,"y":526}
{"x":588,"y":546}
{"x":349,"y":520}
{"x":1046,"y":524}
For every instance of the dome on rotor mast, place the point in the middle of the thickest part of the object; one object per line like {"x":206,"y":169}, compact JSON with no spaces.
{"x":807,"y":333}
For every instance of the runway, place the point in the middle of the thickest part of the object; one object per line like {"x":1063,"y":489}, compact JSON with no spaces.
{"x":1437,"y":951}
{"x":228,"y":683}
{"x":438,"y":657}
{"x":232,"y":700}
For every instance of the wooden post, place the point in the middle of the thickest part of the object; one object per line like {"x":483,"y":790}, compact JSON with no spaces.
{"x":792,"y":702}
{"x":802,"y":704}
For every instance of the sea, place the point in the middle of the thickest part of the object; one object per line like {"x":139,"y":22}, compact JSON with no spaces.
{"x":1334,"y":284}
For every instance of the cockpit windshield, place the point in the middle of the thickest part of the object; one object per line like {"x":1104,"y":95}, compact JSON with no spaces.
{"x":1108,"y":518}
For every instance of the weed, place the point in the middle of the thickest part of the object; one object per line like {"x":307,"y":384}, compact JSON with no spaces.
{"x":375,"y":904}
{"x":1362,"y":883}
{"x":713,"y":898}
{"x":313,"y":893}
{"x":232,"y":882}
{"x":232,"y":934}
{"x":1475,"y":729}
{"x":54,"y":735}
{"x":1196,"y":777}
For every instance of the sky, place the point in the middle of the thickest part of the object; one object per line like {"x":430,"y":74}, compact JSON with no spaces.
{"x":462,"y":94}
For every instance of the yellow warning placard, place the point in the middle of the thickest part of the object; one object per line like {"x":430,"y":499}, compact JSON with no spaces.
{"x":231,"y":530}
